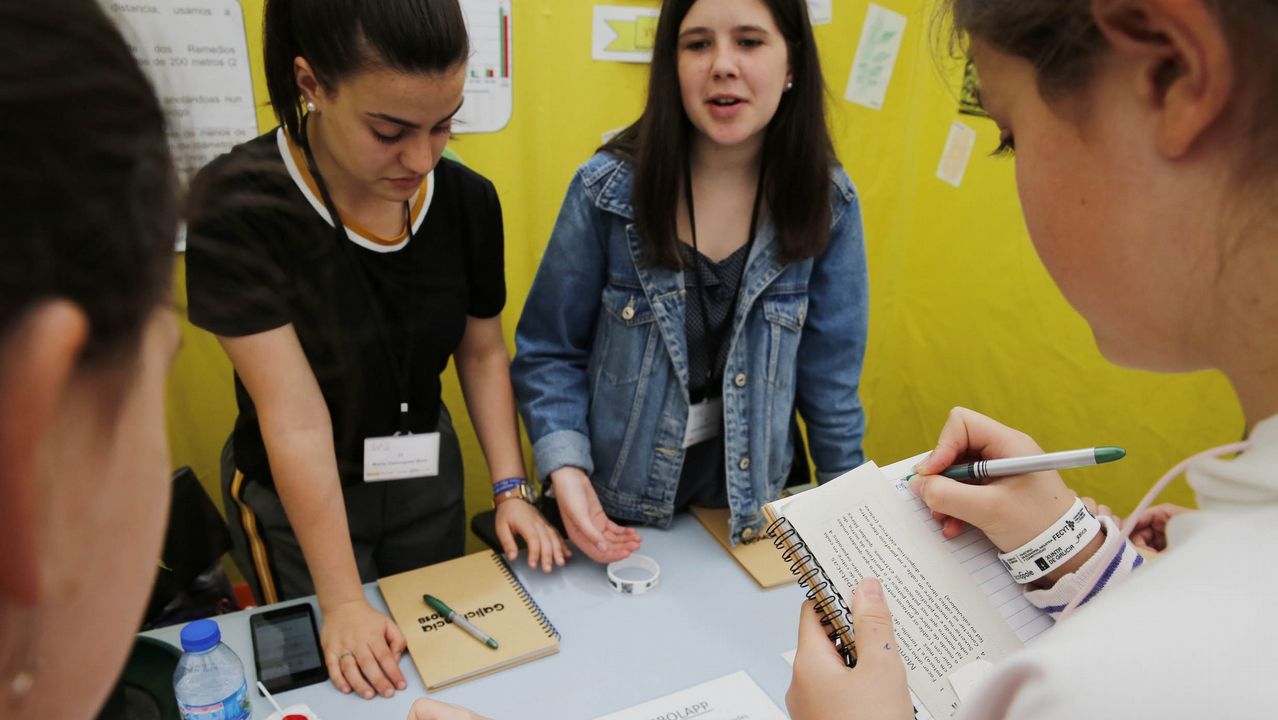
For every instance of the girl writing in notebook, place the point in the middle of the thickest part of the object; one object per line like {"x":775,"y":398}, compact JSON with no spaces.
{"x":705,"y":278}
{"x":1147,"y":164}
{"x":342,"y":263}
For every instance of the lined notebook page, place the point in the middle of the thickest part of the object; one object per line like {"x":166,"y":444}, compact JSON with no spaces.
{"x":980,"y":558}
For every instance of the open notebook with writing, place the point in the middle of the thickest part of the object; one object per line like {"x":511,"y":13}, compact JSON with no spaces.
{"x":482,"y":588}
{"x":952,"y":601}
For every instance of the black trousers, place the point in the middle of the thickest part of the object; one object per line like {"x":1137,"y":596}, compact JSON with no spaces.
{"x":395,"y":526}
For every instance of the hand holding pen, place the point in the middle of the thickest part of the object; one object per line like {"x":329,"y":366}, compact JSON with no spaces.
{"x":1010,"y":510}
{"x":452,"y":616}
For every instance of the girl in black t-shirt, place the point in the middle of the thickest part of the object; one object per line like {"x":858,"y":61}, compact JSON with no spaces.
{"x":341,"y":263}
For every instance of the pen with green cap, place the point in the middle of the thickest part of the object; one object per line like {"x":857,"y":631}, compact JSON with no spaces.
{"x":461,"y":622}
{"x":1006,"y":467}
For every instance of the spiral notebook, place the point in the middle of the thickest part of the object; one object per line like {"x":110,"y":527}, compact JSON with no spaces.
{"x":482,"y":588}
{"x":955,"y":607}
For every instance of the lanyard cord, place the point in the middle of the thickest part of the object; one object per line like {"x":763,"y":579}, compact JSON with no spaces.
{"x":712,"y":362}
{"x":401,"y":372}
{"x":1130,"y":523}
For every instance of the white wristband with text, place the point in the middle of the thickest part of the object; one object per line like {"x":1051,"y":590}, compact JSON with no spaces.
{"x":634,"y":575}
{"x":1058,"y":543}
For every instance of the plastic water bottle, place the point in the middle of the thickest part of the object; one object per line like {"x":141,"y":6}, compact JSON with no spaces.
{"x":209,"y":682}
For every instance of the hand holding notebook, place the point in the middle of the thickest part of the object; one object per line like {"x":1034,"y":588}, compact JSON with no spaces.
{"x":952,"y":600}
{"x":824,"y":687}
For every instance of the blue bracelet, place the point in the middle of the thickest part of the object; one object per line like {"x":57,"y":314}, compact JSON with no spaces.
{"x":507,"y":485}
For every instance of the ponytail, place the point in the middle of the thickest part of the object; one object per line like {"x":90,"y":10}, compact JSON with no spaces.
{"x":280,"y":47}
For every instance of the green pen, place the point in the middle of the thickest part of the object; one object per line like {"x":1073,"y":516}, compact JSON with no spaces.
{"x":1005,"y":467}
{"x":438,"y":606}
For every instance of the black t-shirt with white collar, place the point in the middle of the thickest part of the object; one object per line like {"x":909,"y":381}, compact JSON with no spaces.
{"x":261,"y":254}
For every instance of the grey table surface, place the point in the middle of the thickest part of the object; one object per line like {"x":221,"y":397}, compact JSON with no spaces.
{"x":707,"y":618}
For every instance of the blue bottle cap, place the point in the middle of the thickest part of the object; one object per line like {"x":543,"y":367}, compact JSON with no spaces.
{"x":200,"y":635}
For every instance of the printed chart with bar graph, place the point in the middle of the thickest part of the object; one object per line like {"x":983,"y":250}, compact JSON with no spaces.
{"x":489,"y":89}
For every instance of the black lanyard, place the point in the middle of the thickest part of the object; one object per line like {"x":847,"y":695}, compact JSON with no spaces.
{"x":712,"y":361}
{"x":401,"y":372}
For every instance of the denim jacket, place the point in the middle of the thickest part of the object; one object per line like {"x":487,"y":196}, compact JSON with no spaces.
{"x":601,"y":362}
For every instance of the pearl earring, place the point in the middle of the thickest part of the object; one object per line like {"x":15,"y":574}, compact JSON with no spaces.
{"x":21,"y":685}
{"x":18,"y":686}
{"x":310,"y":106}
{"x":789,"y":85}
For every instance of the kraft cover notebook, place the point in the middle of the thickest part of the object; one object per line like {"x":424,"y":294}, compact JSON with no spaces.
{"x":758,"y":557}
{"x":482,"y":588}
{"x":955,"y":607}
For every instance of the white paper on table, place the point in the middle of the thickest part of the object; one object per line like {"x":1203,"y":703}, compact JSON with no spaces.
{"x":821,"y":12}
{"x":731,"y":697}
{"x":957,"y":153}
{"x":623,"y":34}
{"x":195,"y":53}
{"x":489,"y":89}
{"x":875,"y":57}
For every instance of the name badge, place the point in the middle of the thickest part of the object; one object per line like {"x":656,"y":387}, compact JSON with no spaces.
{"x":705,"y":421}
{"x":398,"y":457}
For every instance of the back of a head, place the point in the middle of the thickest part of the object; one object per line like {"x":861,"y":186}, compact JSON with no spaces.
{"x":89,"y":194}
{"x":340,"y":38}
{"x":1062,"y":41}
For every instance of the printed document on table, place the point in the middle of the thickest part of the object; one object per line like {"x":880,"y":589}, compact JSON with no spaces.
{"x":731,"y":697}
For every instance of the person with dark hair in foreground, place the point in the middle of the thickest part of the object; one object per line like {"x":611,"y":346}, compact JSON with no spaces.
{"x":87,"y":332}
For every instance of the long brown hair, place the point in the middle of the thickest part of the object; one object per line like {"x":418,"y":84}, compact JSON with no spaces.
{"x":797,"y":150}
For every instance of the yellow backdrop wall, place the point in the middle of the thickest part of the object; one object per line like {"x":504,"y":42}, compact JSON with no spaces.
{"x":962,"y":313}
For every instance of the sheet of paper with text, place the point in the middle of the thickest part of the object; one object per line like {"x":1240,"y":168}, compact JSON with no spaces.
{"x":952,"y":602}
{"x":731,"y":697}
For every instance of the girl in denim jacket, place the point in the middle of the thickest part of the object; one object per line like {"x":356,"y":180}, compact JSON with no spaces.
{"x":705,"y":278}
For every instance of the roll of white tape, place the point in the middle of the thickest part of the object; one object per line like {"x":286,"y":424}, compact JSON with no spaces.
{"x":629,"y":585}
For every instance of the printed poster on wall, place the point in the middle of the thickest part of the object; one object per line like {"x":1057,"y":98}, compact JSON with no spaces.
{"x":623,"y":34}
{"x":489,"y":90}
{"x":196,"y":55}
{"x":957,"y":153}
{"x":821,"y":12}
{"x":875,"y":57}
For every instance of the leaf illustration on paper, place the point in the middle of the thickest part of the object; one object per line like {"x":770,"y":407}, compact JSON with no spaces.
{"x":876,"y":55}
{"x":872,"y":55}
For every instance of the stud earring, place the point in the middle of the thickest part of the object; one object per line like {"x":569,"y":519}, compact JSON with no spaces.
{"x":21,"y":685}
{"x":789,"y":84}
{"x":310,"y":106}
{"x":17,"y":686}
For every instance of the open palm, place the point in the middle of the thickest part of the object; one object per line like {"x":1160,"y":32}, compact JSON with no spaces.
{"x":589,"y":528}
